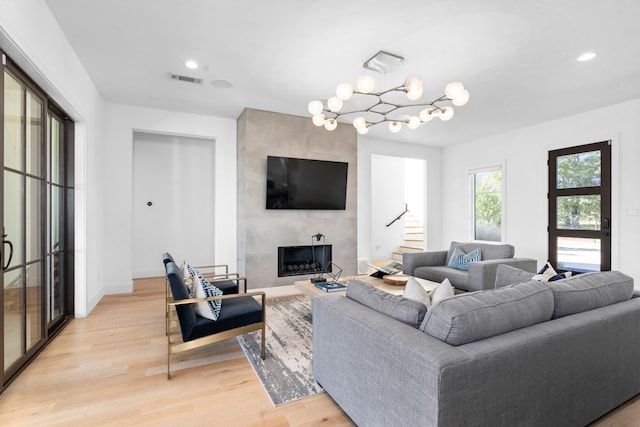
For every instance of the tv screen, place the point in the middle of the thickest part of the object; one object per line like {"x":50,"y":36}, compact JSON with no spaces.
{"x":306,"y":184}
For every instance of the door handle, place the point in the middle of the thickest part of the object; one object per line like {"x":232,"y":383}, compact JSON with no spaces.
{"x":605,"y":224}
{"x":6,"y":242}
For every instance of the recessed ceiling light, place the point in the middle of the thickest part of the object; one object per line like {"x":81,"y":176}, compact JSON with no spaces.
{"x":191,"y":64}
{"x":587,"y":56}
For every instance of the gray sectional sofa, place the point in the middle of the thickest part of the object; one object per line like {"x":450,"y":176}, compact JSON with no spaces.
{"x":432,"y":265}
{"x":530,"y":354}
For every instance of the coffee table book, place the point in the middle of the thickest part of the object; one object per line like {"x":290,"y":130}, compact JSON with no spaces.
{"x":330,"y":287}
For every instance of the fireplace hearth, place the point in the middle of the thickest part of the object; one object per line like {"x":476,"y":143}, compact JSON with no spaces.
{"x":301,"y":260}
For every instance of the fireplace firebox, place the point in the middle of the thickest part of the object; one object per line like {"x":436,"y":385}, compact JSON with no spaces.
{"x":300,"y":260}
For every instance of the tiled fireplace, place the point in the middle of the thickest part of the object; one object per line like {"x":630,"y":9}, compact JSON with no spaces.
{"x":260,"y":230}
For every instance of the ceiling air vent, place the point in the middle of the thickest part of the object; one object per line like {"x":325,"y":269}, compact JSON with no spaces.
{"x":185,"y":79}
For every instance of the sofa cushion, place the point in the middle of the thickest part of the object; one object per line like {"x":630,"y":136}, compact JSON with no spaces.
{"x":507,"y":275}
{"x":477,"y":315}
{"x":460,"y":260}
{"x":405,"y":310}
{"x":489,"y":251}
{"x":589,"y":290}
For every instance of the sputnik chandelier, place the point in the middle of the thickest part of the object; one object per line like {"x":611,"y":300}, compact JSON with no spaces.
{"x":381,"y":109}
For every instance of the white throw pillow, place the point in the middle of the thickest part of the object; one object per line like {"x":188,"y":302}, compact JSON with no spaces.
{"x":204,"y":289}
{"x":415,"y":291}
{"x":442,"y":292}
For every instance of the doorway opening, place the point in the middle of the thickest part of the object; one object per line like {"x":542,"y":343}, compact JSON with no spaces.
{"x":398,"y":203}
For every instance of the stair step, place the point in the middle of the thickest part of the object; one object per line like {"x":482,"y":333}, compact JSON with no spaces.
{"x":414,"y":240}
{"x":414,"y":248}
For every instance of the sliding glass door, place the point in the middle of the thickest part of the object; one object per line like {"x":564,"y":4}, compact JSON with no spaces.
{"x":35,"y":297}
{"x":23,"y":262}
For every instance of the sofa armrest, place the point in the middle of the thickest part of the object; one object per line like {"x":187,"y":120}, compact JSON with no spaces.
{"x":482,"y":274}
{"x":378,"y":369}
{"x":413,"y":260}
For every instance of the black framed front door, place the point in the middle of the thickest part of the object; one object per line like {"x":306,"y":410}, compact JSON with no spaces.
{"x":580,"y":207}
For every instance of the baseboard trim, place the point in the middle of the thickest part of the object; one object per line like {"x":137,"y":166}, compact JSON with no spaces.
{"x":122,"y":288}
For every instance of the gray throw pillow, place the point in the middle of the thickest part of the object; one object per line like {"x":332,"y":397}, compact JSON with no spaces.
{"x":507,"y":275}
{"x":590,"y":290}
{"x":405,"y":310}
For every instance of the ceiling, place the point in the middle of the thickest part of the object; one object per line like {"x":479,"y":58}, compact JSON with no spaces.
{"x":517,"y":58}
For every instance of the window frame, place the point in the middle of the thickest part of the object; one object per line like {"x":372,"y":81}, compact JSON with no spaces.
{"x":471,"y":174}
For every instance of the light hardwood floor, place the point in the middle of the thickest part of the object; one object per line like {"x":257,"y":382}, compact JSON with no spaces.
{"x":110,"y":370}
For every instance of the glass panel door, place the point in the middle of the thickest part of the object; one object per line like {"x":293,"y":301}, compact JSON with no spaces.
{"x":23,"y":221}
{"x":36,"y":216}
{"x":580,"y":207}
{"x":12,"y":262}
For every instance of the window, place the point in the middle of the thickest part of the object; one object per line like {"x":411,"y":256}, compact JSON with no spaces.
{"x":487,"y":204}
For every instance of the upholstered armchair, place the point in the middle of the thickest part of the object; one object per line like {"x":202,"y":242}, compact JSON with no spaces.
{"x":478,"y":275}
{"x":238,"y":315}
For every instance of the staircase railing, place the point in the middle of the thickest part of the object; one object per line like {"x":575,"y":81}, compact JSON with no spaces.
{"x":406,"y":209}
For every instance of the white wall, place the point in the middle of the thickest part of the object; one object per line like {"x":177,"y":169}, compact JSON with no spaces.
{"x":180,"y":217}
{"x":30,"y":35}
{"x":433,"y":157}
{"x":387,"y":201}
{"x":121,"y":121}
{"x":525,"y":152}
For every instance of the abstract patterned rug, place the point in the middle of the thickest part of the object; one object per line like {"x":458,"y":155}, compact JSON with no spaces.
{"x":286,"y":372}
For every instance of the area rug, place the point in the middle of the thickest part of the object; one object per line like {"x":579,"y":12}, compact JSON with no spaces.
{"x":286,"y":373}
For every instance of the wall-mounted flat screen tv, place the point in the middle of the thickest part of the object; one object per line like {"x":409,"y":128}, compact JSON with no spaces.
{"x":306,"y":184}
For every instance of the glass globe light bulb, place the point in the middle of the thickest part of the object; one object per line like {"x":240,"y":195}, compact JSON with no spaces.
{"x":366,"y":84}
{"x":344,"y":91}
{"x":414,"y":122}
{"x":318,"y":119}
{"x":413,"y":85}
{"x":334,"y":104}
{"x":330,"y":124}
{"x":315,"y":107}
{"x":363,"y":130}
{"x":395,"y":127}
{"x":426,"y":115}
{"x":446,"y":113}
{"x":359,"y":122}
{"x":461,"y":99}
{"x":414,"y":94}
{"x":453,"y":90}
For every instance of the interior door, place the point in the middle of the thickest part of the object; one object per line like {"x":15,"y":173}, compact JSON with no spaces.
{"x":580,"y":207}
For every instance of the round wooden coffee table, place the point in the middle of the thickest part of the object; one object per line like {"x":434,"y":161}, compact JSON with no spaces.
{"x":396,"y":279}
